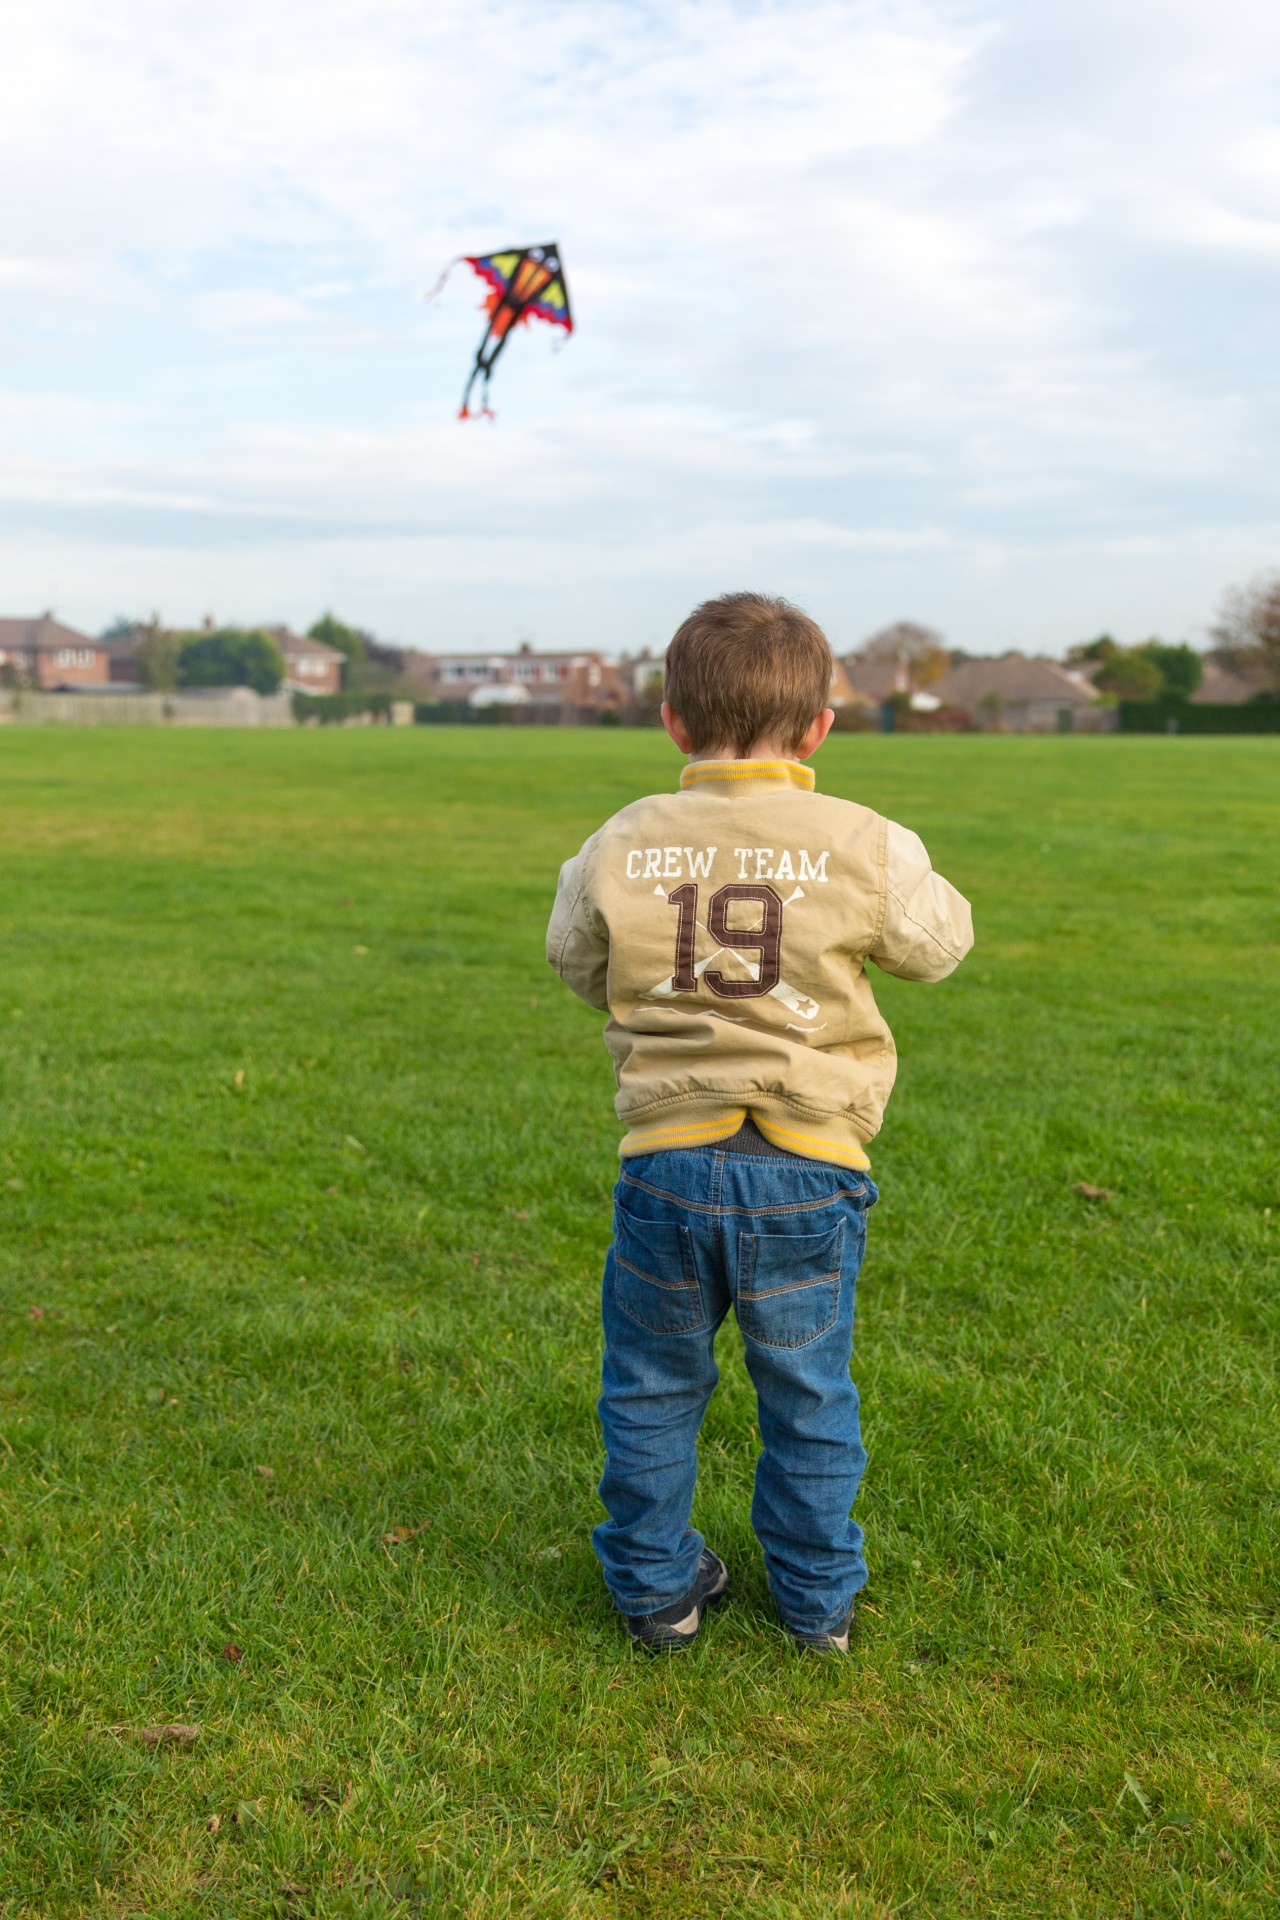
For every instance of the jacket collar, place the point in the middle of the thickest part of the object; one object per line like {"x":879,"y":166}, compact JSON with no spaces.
{"x":729,"y":776}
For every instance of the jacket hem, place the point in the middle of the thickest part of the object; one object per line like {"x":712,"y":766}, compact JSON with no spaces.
{"x":830,"y":1140}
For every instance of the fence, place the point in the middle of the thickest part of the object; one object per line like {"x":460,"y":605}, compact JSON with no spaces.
{"x":219,"y":707}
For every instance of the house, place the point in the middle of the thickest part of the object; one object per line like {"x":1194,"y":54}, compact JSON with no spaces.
{"x":575,"y":680}
{"x":872,"y":680}
{"x":1021,"y":695}
{"x":843,"y":693}
{"x":646,"y":672}
{"x":42,"y":652}
{"x":310,"y":666}
{"x":1228,"y":686}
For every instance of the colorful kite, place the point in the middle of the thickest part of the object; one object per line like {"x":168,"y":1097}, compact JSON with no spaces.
{"x":522,"y":281}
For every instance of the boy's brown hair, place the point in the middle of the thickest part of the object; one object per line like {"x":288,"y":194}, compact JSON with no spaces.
{"x":748,"y":667}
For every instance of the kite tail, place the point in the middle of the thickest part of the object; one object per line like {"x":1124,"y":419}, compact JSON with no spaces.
{"x":439,"y":285}
{"x":484,"y":411}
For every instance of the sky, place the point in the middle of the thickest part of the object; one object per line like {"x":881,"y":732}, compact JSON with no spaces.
{"x":939,"y":310}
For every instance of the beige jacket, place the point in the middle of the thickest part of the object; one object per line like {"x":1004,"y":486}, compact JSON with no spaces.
{"x":726,"y":930}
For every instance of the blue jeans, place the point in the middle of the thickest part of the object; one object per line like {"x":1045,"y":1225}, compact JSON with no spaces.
{"x":781,"y":1240}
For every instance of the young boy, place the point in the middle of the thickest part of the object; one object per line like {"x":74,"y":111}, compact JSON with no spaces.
{"x":726,"y":929}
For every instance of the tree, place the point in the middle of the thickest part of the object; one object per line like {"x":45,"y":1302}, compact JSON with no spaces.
{"x":1103,"y":648}
{"x":348,"y":640}
{"x":122,"y":628}
{"x":1130,"y":673}
{"x":919,"y":649}
{"x":1248,"y":629}
{"x":1180,"y":667}
{"x":231,"y":657}
{"x":157,"y":657}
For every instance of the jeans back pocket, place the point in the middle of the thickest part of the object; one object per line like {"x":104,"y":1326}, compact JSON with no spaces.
{"x":788,"y":1285}
{"x":655,"y":1280}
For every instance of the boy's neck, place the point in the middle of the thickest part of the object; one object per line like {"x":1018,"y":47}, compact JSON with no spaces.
{"x":762,"y":750}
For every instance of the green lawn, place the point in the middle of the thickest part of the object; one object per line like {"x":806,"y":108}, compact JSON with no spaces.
{"x":305,"y":1162}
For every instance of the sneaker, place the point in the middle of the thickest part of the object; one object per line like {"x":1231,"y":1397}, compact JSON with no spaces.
{"x":834,"y":1640}
{"x":677,"y":1625}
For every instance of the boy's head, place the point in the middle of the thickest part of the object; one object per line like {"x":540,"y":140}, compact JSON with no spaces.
{"x":748,"y":672}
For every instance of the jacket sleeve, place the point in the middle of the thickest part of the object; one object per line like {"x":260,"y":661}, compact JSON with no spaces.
{"x":928,"y":926}
{"x":577,"y":938}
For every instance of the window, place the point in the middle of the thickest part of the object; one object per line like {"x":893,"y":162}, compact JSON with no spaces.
{"x":74,"y":656}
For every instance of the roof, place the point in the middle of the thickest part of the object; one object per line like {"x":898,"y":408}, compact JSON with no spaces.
{"x":873,"y":678}
{"x":40,"y":633}
{"x":1221,"y":686}
{"x":291,"y":644}
{"x":573,"y":656}
{"x":1013,"y":678}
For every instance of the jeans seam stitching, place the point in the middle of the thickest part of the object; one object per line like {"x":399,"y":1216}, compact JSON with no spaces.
{"x":792,"y":1286}
{"x":669,"y":1286}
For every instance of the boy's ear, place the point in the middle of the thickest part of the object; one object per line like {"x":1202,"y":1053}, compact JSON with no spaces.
{"x":815,"y":734}
{"x":676,"y":728}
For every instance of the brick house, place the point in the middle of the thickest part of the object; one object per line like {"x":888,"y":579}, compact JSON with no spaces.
{"x":44,"y":653}
{"x":578,"y":680}
{"x":310,"y":666}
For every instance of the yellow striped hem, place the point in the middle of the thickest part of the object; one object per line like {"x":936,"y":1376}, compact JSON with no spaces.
{"x":820,"y":1149}
{"x":694,"y":1130}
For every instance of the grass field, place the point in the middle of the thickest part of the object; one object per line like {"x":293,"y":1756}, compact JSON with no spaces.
{"x":304,"y":1172}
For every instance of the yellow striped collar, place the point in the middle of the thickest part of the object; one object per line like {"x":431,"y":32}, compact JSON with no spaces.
{"x":740,"y":773}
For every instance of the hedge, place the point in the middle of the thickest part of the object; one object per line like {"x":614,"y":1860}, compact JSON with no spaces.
{"x":1182,"y":716}
{"x":331,"y":709}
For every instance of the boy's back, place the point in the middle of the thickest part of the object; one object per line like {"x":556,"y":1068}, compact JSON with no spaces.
{"x":726,"y":929}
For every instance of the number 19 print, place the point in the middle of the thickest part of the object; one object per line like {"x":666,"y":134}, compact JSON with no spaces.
{"x":763,"y":940}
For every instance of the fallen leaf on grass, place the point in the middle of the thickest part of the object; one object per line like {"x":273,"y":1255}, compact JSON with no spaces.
{"x":1091,"y":1193}
{"x":233,"y":1653}
{"x":239,"y":1076}
{"x":212,"y":1824}
{"x":1134,"y":1789}
{"x":172,"y":1733}
{"x":520,"y":1216}
{"x":35,"y":1313}
{"x":475,"y":1261}
{"x":398,"y":1535}
{"x":247,"y":1812}
{"x":268,"y":1473}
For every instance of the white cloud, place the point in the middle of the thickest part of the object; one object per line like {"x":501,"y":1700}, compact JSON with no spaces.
{"x":907,"y":300}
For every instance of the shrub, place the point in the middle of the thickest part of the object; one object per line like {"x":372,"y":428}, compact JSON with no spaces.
{"x":332,"y":709}
{"x":230,"y":657}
